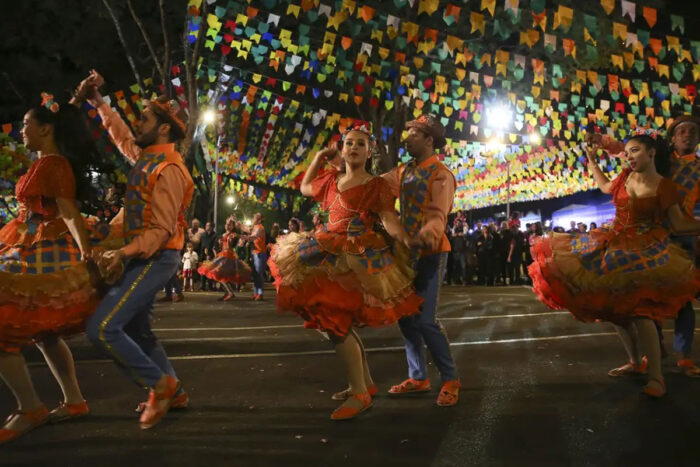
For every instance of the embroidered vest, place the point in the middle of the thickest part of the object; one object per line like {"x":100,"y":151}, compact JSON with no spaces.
{"x":685,"y":175}
{"x":415,"y":184}
{"x":139,"y":192}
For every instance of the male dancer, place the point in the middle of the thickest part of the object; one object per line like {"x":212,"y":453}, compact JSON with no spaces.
{"x":259,"y":256}
{"x":426,"y":190}
{"x":158,"y":192}
{"x":684,"y":136}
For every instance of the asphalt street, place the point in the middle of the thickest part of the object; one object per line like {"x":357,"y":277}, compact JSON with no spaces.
{"x":535,"y":392}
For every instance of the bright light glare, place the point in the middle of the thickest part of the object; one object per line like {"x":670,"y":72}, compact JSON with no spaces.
{"x":230,"y":200}
{"x":499,"y":116}
{"x":208,"y":116}
{"x":248,"y":222}
{"x":495,"y":145}
{"x":547,"y":223}
{"x":535,"y":138}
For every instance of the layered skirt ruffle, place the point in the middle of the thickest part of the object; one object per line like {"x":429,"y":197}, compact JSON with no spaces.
{"x":613,"y":276}
{"x":45,"y":287}
{"x":226,"y":268}
{"x":334,"y":283}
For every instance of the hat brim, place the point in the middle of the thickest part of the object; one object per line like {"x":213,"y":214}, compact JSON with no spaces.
{"x":683,"y":119}
{"x":439,"y":141}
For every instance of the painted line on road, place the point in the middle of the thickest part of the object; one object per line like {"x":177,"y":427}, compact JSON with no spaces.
{"x":288,"y":326}
{"x":517,"y":315}
{"x":240,"y":328}
{"x":374,"y":349}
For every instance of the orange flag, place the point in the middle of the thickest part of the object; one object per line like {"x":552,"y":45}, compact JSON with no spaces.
{"x":649,"y":15}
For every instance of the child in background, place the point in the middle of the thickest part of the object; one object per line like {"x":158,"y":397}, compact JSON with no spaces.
{"x":189,"y":265}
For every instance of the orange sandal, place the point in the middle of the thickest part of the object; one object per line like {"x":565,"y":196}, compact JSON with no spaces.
{"x":165,"y":390}
{"x":411,"y":385}
{"x":179,"y":402}
{"x":688,"y":368}
{"x":36,"y":418}
{"x":655,"y":388}
{"x":68,"y":411}
{"x":449,"y":394}
{"x":345,"y":412}
{"x":345,"y":393}
{"x":630,"y":369}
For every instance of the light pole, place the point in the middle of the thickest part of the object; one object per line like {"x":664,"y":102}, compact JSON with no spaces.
{"x":209,"y":116}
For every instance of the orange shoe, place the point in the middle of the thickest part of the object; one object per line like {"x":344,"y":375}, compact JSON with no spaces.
{"x":345,"y":393}
{"x":36,"y":418}
{"x":449,"y":394}
{"x":68,"y":411}
{"x":688,"y":368}
{"x":159,"y":400}
{"x":655,"y":388}
{"x":228,"y":297}
{"x":179,"y":402}
{"x":411,"y":385}
{"x":345,"y":412}
{"x":630,"y":369}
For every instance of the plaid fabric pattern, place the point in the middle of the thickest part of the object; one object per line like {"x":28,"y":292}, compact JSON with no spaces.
{"x":43,"y":257}
{"x":414,"y":195}
{"x":311,"y":254}
{"x":686,"y":175}
{"x":377,"y":261}
{"x":600,"y":259}
{"x":137,"y":198}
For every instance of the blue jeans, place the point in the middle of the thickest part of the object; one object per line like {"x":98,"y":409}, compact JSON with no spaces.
{"x":173,"y":285}
{"x":121,"y":324}
{"x":259,"y":265}
{"x":425,"y":329}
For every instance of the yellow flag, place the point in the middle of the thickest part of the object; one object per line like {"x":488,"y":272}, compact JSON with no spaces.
{"x":477,"y":21}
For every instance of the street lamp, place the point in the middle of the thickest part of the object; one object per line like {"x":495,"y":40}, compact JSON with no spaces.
{"x":209,"y":117}
{"x":230,"y":200}
{"x":535,"y":138}
{"x":499,"y":116}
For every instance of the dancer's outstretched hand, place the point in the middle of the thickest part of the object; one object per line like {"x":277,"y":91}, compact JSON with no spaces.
{"x":327,"y":154}
{"x":112,"y":260}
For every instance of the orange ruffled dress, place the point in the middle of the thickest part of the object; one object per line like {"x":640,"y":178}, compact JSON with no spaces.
{"x":45,"y":287}
{"x":346,"y":274}
{"x":630,"y":270}
{"x":226,"y":267}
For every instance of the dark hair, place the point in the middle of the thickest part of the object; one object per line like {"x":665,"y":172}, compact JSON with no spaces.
{"x":175,"y":134}
{"x":296,"y":223}
{"x":76,"y":143}
{"x":662,"y":159}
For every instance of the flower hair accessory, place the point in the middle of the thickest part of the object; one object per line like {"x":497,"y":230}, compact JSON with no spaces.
{"x":48,"y":102}
{"x":363,"y":127}
{"x":650,"y":132}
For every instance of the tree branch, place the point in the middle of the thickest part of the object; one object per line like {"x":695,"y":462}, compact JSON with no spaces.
{"x":121,"y":39}
{"x":13,"y":88}
{"x":166,"y":45}
{"x":191,"y":62}
{"x":147,"y":40}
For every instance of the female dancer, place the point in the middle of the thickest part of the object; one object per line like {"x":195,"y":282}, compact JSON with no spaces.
{"x":226,"y":268}
{"x":45,"y":287}
{"x":630,"y":274}
{"x":347,"y":275}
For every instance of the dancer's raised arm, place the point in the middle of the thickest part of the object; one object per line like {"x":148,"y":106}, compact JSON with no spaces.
{"x":321,"y":156}
{"x":601,"y":179}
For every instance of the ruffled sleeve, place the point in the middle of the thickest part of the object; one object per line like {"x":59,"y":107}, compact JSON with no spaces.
{"x":668,"y":194}
{"x":56,"y":178}
{"x":384,"y":199}
{"x":322,"y":183}
{"x":619,"y":183}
